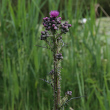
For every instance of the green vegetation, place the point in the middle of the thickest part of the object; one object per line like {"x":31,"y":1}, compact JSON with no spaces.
{"x":86,"y":64}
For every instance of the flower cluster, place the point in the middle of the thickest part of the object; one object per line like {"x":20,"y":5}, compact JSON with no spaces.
{"x":69,"y":93}
{"x":59,"y":56}
{"x":51,"y":23}
{"x":44,"y":35}
{"x":65,"y":27}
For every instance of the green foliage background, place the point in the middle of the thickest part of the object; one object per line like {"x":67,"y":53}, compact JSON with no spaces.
{"x":86,"y":64}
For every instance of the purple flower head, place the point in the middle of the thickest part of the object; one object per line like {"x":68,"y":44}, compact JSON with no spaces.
{"x":54,"y":13}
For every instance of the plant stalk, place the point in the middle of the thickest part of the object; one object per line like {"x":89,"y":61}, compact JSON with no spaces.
{"x":57,"y":89}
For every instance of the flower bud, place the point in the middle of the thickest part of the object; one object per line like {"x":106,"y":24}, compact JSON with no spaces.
{"x":43,"y":37}
{"x":53,"y":25}
{"x":66,"y":22}
{"x":59,"y":22}
{"x":59,"y":56}
{"x":43,"y":32}
{"x":59,"y":37}
{"x":69,"y":25}
{"x":45,"y":25}
{"x":60,"y":18}
{"x":55,"y":28}
{"x":52,"y":72}
{"x":46,"y":18}
{"x":69,"y":93}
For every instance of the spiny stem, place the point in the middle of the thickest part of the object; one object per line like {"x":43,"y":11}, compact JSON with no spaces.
{"x":57,"y":88}
{"x":55,"y":76}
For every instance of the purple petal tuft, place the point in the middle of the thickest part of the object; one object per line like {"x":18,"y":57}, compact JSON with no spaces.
{"x":54,"y":13}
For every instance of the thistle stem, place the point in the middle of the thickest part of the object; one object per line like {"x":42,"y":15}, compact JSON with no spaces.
{"x":57,"y":88}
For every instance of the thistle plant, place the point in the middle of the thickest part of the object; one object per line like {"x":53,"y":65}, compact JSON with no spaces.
{"x":52,"y":35}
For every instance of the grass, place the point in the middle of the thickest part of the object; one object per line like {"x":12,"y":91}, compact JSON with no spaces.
{"x":86,"y":58}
